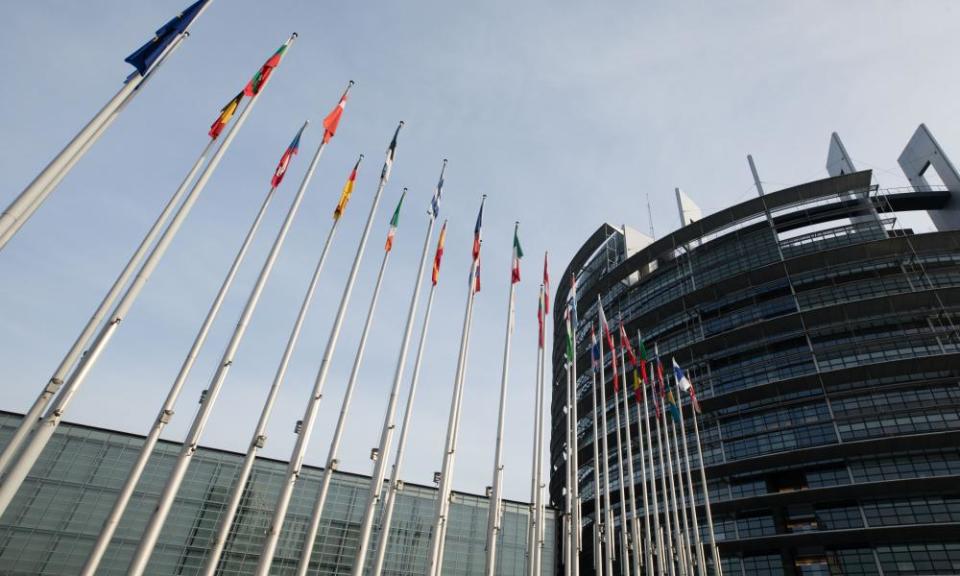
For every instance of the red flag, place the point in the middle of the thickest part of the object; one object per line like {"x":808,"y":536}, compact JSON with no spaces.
{"x":439,"y":254}
{"x":613,"y":350}
{"x":625,"y":344}
{"x":259,"y":79}
{"x":546,"y":286}
{"x":290,"y":152}
{"x":332,"y":120}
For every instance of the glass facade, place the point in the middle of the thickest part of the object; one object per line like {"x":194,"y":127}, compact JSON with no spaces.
{"x":823,"y":342}
{"x":51,"y":525}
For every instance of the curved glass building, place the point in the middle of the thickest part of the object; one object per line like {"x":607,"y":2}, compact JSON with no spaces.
{"x":822,"y":340}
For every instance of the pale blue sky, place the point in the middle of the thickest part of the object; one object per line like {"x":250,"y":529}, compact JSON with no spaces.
{"x":566,"y":114}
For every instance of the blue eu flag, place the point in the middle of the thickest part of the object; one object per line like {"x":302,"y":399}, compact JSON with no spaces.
{"x":145,"y":56}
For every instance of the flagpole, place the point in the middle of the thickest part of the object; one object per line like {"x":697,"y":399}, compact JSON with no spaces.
{"x":688,"y":557}
{"x":167,"y":410}
{"x":394,"y":487}
{"x":44,"y":431}
{"x":701,"y":560}
{"x":597,"y":500}
{"x":568,"y":492}
{"x":575,"y":485}
{"x":493,"y":515}
{"x":667,"y":528}
{"x":305,"y":429}
{"x":453,"y":423}
{"x":16,"y":214}
{"x":608,"y":530}
{"x":658,"y":534}
{"x":389,"y":419}
{"x":643,"y":430}
{"x":625,"y":557}
{"x":634,"y":526}
{"x":33,"y":415}
{"x":332,"y":463}
{"x":533,"y":526}
{"x":706,"y":501}
{"x":541,"y":487}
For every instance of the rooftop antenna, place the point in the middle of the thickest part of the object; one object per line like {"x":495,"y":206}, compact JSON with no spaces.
{"x":653,"y":233}
{"x":756,"y":176}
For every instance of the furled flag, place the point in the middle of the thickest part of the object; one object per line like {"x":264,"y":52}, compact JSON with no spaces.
{"x":226,"y":113}
{"x":391,"y":154}
{"x":347,"y":191}
{"x":263,"y":74}
{"x":145,"y":56}
{"x":291,"y":151}
{"x":439,"y":255}
{"x":568,"y":323}
{"x":643,"y":359}
{"x":605,"y":327}
{"x":438,"y":193}
{"x":625,"y":344}
{"x":684,"y":384}
{"x":332,"y":120}
{"x":517,"y":255}
{"x":671,"y":402}
{"x":572,"y":300}
{"x":394,"y":222}
{"x":546,"y":285}
{"x":475,"y":281}
{"x":594,"y":349}
{"x":540,"y":318}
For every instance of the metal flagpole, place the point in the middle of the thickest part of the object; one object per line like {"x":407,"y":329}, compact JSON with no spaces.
{"x":19,"y":211}
{"x":44,"y":431}
{"x":688,"y":557}
{"x":332,"y":463}
{"x":533,"y":526}
{"x":645,"y":448}
{"x":634,"y":525}
{"x":541,"y":488}
{"x":575,"y":451}
{"x":305,"y":426}
{"x":625,"y":556}
{"x":701,"y":561}
{"x":667,"y":527}
{"x":608,"y":513}
{"x":706,"y":501}
{"x":434,"y":567}
{"x":597,"y":496}
{"x":166,"y":411}
{"x":568,"y":489}
{"x":493,"y":515}
{"x":655,"y":510}
{"x":32,"y":417}
{"x":389,"y":419}
{"x":394,"y":488}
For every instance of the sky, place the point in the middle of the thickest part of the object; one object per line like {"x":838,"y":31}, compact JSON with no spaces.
{"x":565,"y":114}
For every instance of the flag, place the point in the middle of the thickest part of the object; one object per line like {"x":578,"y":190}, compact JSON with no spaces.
{"x":643,"y":359}
{"x":540,"y":317}
{"x":347,"y":191}
{"x":594,"y":349}
{"x":605,"y":326}
{"x":546,"y":285}
{"x":332,"y":120}
{"x":394,"y":222}
{"x":391,"y":154}
{"x":625,"y":344}
{"x":572,"y":300}
{"x":568,"y":323}
{"x":226,"y":113}
{"x":291,"y":151}
{"x":144,"y":57}
{"x":476,"y":248}
{"x":439,"y":254}
{"x":435,"y":201}
{"x":517,"y":255}
{"x":263,"y":74}
{"x":671,"y":401}
{"x":684,"y":384}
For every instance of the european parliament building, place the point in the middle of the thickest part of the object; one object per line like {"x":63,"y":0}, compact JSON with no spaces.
{"x":821,"y":336}
{"x":52,"y":523}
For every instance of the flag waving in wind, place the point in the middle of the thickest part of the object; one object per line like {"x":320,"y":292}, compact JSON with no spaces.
{"x":332,"y":120}
{"x":263,"y":74}
{"x":605,"y":327}
{"x":347,"y":190}
{"x":291,"y":151}
{"x":594,"y":349}
{"x":147,"y":55}
{"x":475,"y":281}
{"x":540,"y":318}
{"x":438,"y":193}
{"x":226,"y":113}
{"x":517,"y":255}
{"x":439,"y":255}
{"x":683,"y":383}
{"x":546,"y":285}
{"x":394,"y":222}
{"x":391,"y":154}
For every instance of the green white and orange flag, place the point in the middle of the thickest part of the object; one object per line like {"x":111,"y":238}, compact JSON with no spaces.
{"x":394,"y":222}
{"x":226,"y":113}
{"x":347,"y":191}
{"x":439,"y":255}
{"x":517,"y":255}
{"x":263,"y":74}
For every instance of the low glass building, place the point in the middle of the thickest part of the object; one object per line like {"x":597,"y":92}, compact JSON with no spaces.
{"x":52,"y":523}
{"x":822,"y":339}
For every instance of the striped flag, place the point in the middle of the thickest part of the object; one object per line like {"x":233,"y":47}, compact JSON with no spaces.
{"x":332,"y":120}
{"x":226,"y":113}
{"x":684,"y":384}
{"x":546,"y":285}
{"x":517,"y":255}
{"x":394,"y":222}
{"x":347,"y":191}
{"x":605,"y":326}
{"x":391,"y":154}
{"x":438,"y":193}
{"x":475,"y":281}
{"x":568,"y":323}
{"x":146,"y":56}
{"x":263,"y":74}
{"x":439,"y":255}
{"x":291,"y":151}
